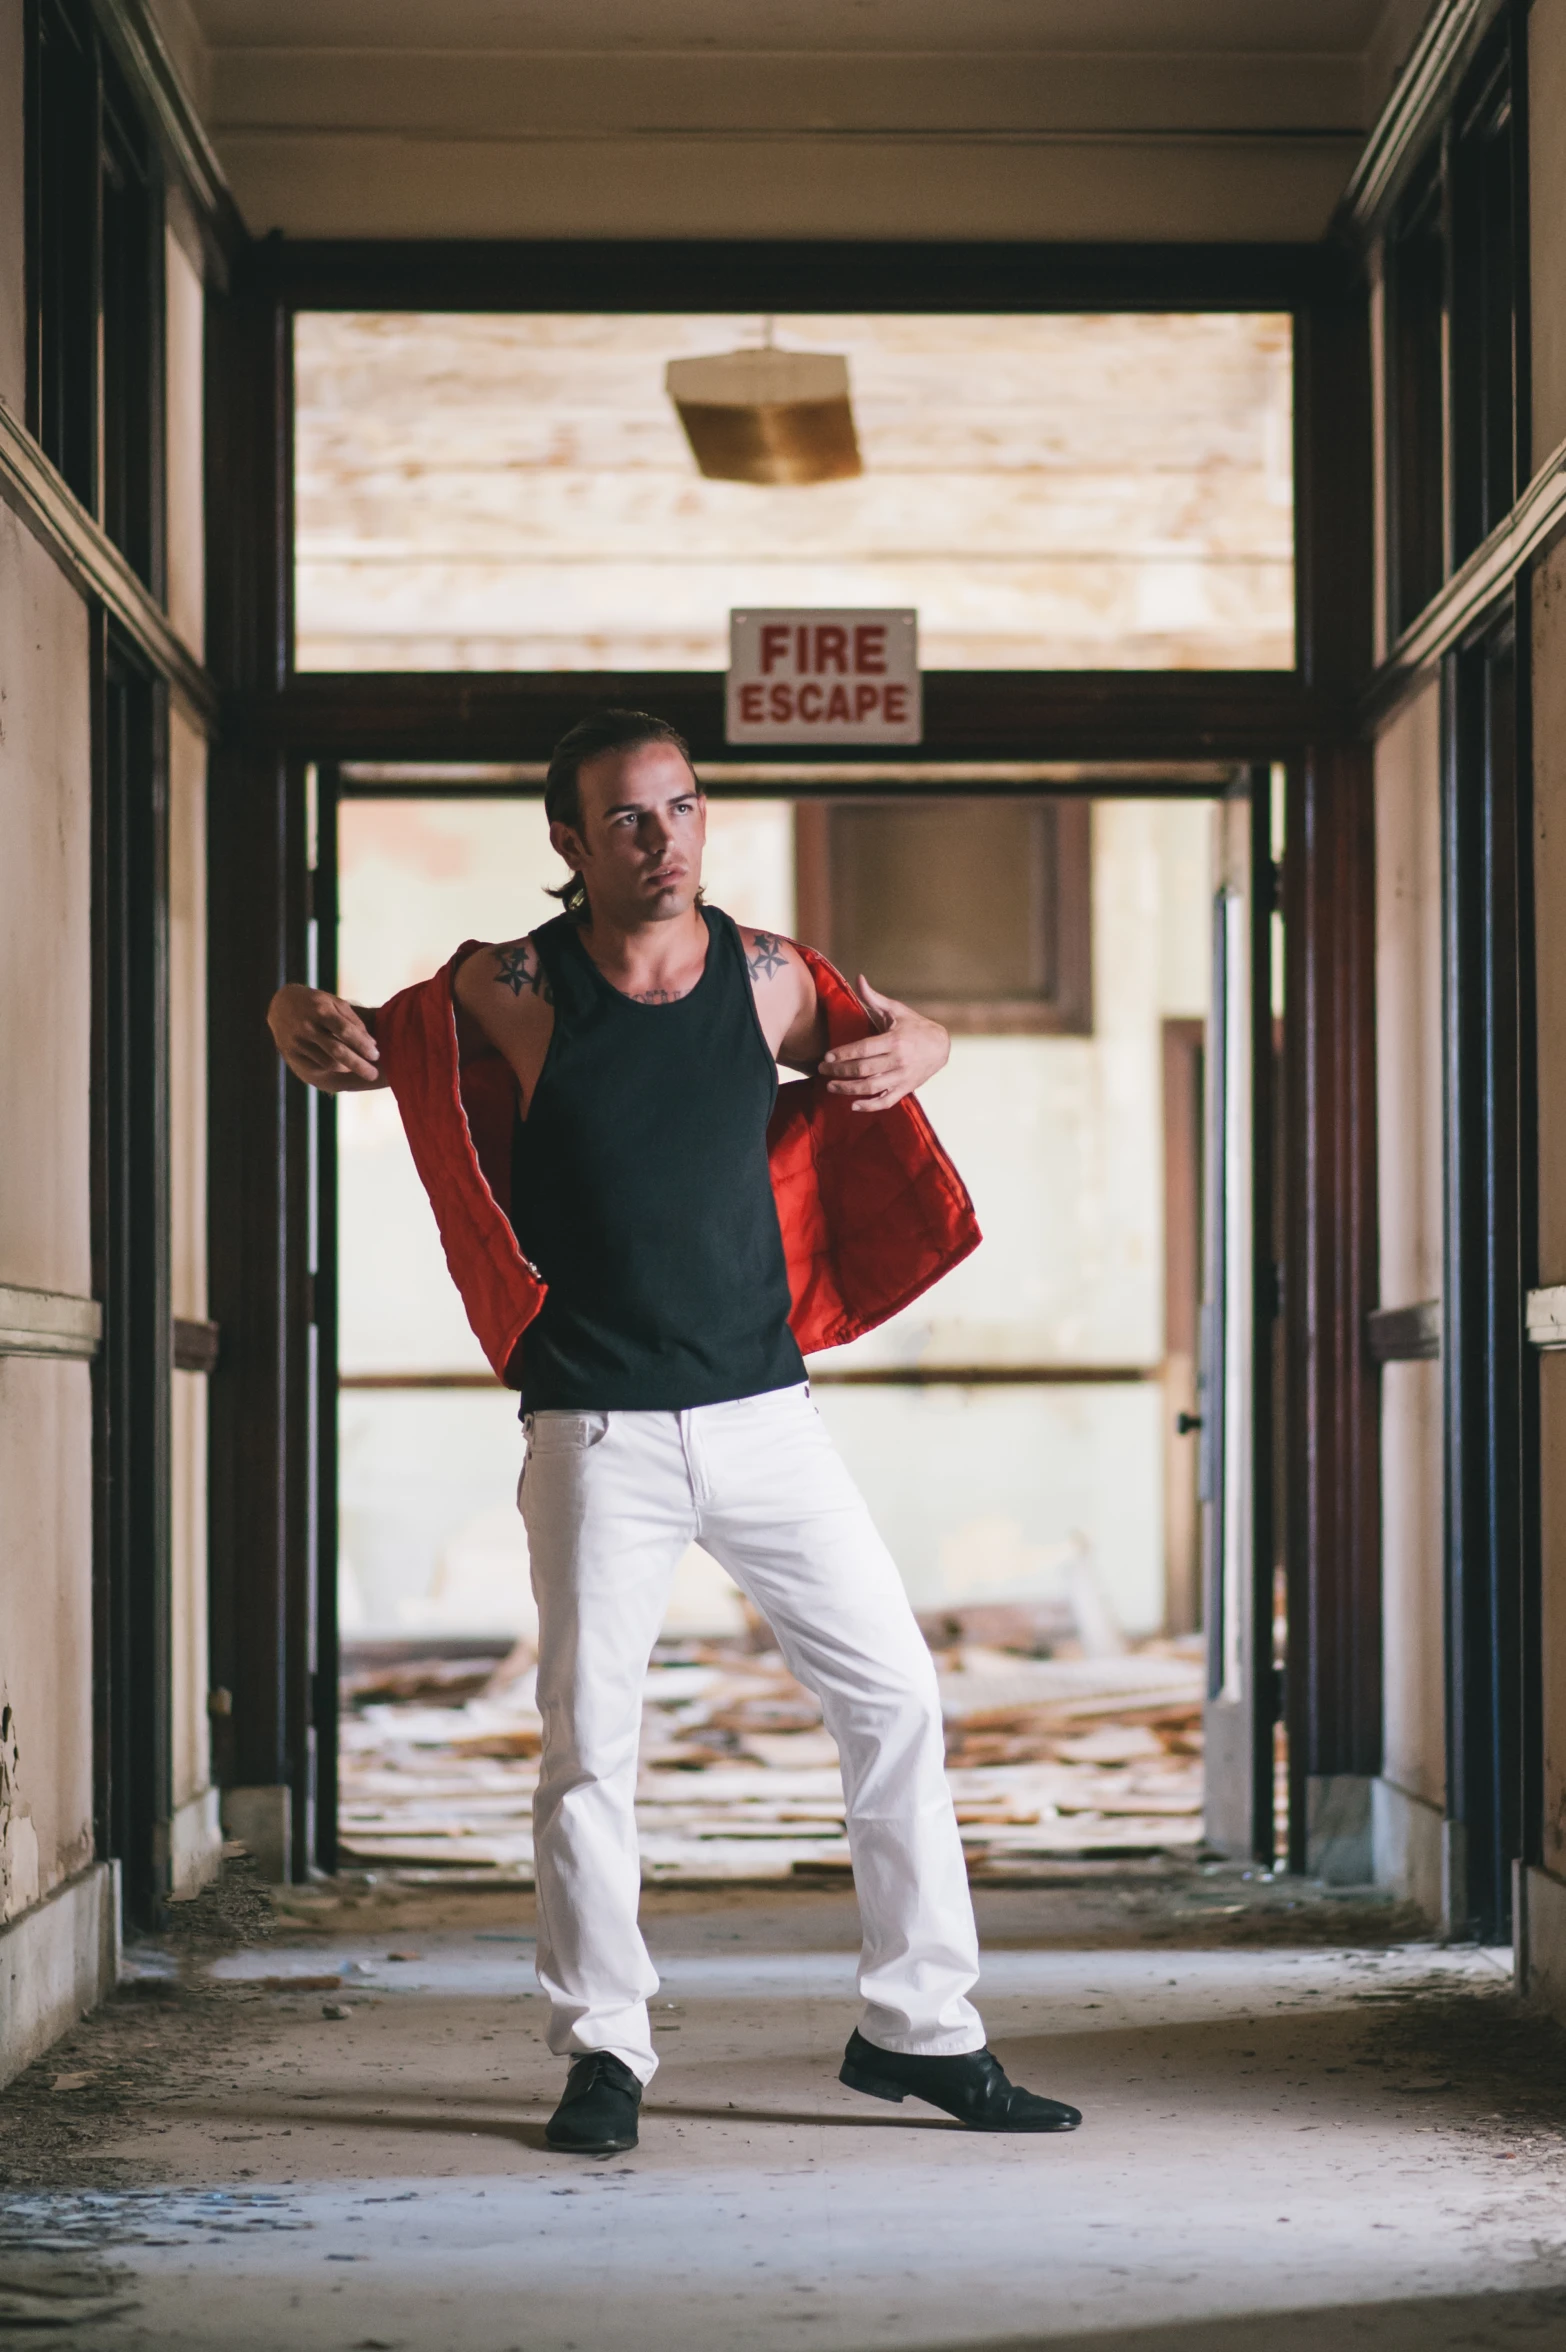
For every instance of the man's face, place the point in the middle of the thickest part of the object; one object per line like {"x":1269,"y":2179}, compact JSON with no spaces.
{"x":643,"y":829}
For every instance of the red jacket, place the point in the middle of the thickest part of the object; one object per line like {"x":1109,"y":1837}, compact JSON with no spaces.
{"x":871,"y":1209}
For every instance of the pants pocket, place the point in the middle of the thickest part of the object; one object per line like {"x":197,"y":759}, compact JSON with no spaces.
{"x":564,"y":1433}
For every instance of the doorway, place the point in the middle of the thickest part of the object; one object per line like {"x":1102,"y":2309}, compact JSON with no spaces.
{"x":1176,"y":578}
{"x":1017,"y":1433}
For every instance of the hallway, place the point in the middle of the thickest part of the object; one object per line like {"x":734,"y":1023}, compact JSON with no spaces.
{"x":1158,"y":412}
{"x":1290,"y":2112}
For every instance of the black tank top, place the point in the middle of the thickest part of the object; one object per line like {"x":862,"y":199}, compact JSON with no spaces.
{"x":640,"y":1190}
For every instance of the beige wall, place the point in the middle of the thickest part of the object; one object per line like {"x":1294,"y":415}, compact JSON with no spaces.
{"x":1549,"y":852}
{"x":1547,"y":221}
{"x":46,"y":1732}
{"x":923,"y":120}
{"x":45,"y":976}
{"x":13,"y":312}
{"x":45,"y":1242}
{"x":1409,"y":1130}
{"x":45,"y":1626}
{"x":869,"y":186}
{"x":1408,"y":1001}
{"x":183,"y":379}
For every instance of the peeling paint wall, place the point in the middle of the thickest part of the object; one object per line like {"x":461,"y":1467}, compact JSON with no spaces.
{"x":45,"y":1406}
{"x":45,"y":1626}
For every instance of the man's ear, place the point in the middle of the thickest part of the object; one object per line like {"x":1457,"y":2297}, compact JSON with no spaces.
{"x":567,"y":843}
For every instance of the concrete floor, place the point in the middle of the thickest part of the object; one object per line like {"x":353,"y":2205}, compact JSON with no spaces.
{"x":1300,"y":2133}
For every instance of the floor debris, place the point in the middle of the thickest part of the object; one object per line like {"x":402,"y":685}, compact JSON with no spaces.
{"x":1047,"y":1757}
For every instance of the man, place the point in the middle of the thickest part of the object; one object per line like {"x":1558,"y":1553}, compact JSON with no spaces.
{"x":672,"y":1237}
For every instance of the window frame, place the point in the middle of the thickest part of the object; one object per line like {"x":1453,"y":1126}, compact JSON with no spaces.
{"x":1068,"y":1010}
{"x":95,"y":207}
{"x":1454,"y":422}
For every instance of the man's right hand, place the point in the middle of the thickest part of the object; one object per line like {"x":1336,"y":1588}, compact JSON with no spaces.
{"x":324,"y":1040}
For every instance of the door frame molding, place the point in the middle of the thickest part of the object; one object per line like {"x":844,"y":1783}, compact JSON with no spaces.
{"x":265,"y":1504}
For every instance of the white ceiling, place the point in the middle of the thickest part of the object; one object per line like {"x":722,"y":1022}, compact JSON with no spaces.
{"x":1171,"y":119}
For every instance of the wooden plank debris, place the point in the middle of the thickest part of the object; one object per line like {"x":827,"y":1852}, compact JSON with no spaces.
{"x":1048,"y":1758}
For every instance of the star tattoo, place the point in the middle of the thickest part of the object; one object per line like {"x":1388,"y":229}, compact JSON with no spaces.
{"x":766,"y":957}
{"x":518,"y":967}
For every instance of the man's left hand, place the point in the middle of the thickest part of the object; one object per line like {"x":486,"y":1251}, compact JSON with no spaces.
{"x":905,"y":1050}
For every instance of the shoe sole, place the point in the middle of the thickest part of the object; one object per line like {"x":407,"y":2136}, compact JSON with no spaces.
{"x":589,"y":2147}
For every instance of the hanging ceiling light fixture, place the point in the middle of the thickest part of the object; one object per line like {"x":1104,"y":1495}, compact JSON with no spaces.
{"x":765,"y":415}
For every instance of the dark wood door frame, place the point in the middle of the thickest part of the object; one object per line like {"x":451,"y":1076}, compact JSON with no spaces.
{"x":325,"y":1659}
{"x":1490,"y":1375}
{"x":1024,"y":715}
{"x":133,"y":1376}
{"x":1331,"y":1447}
{"x":261,"y":1509}
{"x":819,"y":275}
{"x":1332,"y":1408}
{"x":265,"y":1500}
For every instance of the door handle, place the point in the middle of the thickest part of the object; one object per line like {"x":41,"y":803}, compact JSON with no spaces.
{"x":1185,"y":1423}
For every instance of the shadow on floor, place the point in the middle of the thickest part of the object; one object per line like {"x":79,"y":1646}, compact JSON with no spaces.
{"x":1436,"y":2323}
{"x":461,"y":2119}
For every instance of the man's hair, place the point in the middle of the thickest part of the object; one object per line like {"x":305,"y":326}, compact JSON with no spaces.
{"x":589,"y":739}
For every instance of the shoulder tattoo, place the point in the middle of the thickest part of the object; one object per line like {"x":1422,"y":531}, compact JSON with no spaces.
{"x":766,"y":956}
{"x":519,"y":967}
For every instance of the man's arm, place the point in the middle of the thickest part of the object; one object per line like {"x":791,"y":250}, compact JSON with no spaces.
{"x":326,"y":1041}
{"x":504,"y":998}
{"x":905,"y":1050}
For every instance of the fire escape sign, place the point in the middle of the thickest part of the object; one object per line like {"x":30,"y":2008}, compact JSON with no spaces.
{"x":824,"y":677}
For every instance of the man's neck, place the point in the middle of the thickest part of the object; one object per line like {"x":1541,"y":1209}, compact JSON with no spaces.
{"x":648,"y":960}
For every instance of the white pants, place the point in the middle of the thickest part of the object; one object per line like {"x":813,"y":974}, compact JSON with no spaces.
{"x":611,"y":1501}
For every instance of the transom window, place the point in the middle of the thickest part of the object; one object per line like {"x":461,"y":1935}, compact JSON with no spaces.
{"x":1104,"y":491}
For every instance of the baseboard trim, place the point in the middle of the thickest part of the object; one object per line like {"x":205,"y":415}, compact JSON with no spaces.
{"x":1338,"y":1828}
{"x":195,"y":1845}
{"x":57,"y":1960}
{"x":261,"y":1819}
{"x":1408,"y":1848}
{"x":1541,"y":1940}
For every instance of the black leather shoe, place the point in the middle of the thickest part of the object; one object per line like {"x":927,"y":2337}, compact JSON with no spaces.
{"x":597,"y":2116}
{"x":973,"y":2088}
